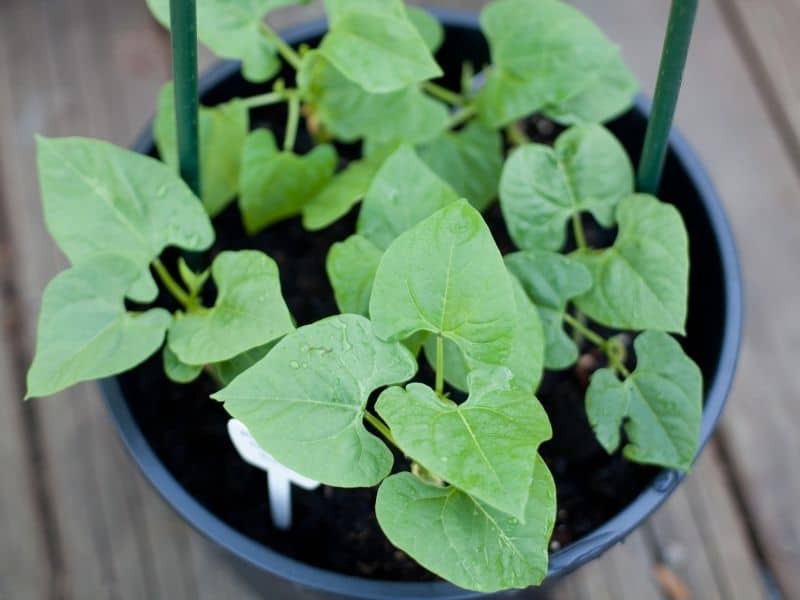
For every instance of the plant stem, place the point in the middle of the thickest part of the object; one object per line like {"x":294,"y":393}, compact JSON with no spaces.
{"x":590,"y":335}
{"x":381,"y":427}
{"x":285,"y":50}
{"x":516,"y":136}
{"x":439,"y":365}
{"x":461,"y":116}
{"x":173,"y":287}
{"x":183,"y":19}
{"x":442,"y":93}
{"x":577,"y":228}
{"x":598,"y":341}
{"x":292,"y":121}
{"x":673,"y":61}
{"x":266,"y":99}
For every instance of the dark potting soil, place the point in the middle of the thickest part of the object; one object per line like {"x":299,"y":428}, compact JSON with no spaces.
{"x":336,"y":529}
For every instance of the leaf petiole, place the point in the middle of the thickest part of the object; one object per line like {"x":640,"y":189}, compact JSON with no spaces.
{"x":285,"y":50}
{"x":461,"y":116}
{"x":610,"y":346}
{"x":292,"y":121}
{"x":266,"y":99}
{"x":381,"y":427}
{"x":442,"y":93}
{"x":439,"y":366}
{"x":173,"y":287}
{"x":580,"y":234}
{"x":516,"y":135}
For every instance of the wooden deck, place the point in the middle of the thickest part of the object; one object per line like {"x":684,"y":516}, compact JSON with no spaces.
{"x":78,"y":521}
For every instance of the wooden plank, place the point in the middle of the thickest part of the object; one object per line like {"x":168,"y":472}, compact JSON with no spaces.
{"x":118,"y":539}
{"x":727,"y":119}
{"x":766,"y":34}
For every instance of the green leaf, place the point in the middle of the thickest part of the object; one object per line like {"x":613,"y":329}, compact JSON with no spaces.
{"x":642,"y":281}
{"x":403,"y":193}
{"x":486,"y":446}
{"x":464,"y":541}
{"x":304,"y":402}
{"x":340,"y":195}
{"x":277,"y":184}
{"x":228,"y":370}
{"x":234,"y":29}
{"x":223,"y":130}
{"x":351,"y":267}
{"x":378,"y":48}
{"x":526,"y":360}
{"x":249,"y":311}
{"x":84,"y":330}
{"x":607,"y":403}
{"x":662,"y":402}
{"x":101,"y":199}
{"x":338,"y":9}
{"x":350,"y":113}
{"x":176,"y":370}
{"x":610,"y":93}
{"x":194,"y":282}
{"x":544,"y":52}
{"x":428,"y":27}
{"x":542,"y":187}
{"x":551,"y":280}
{"x":445,"y":275}
{"x":470,"y":160}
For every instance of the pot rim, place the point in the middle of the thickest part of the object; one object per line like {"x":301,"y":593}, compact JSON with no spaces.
{"x":562,"y":561}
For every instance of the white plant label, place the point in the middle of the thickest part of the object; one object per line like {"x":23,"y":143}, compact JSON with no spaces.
{"x":279,"y":478}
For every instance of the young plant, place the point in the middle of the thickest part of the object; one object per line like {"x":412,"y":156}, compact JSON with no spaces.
{"x":420,"y":279}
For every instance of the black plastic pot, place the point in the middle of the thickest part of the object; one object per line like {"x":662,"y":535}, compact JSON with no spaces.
{"x":714,"y":332}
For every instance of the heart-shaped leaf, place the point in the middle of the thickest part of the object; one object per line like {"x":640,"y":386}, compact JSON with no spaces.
{"x":377,"y":47}
{"x":234,"y":29}
{"x":176,"y":370}
{"x":642,"y":281}
{"x":526,"y":360}
{"x":464,"y":541}
{"x":609,"y":93}
{"x":342,"y":192}
{"x":403,"y":193}
{"x":84,"y":330}
{"x":550,"y":281}
{"x":349,"y":112}
{"x":544,"y":52}
{"x":485,"y":446}
{"x":660,"y":404}
{"x":320,"y":376}
{"x":470,"y":160}
{"x":445,"y":275}
{"x":351,"y":267}
{"x":101,"y":199}
{"x":276,"y":185}
{"x":249,"y":311}
{"x":542,"y":187}
{"x":223,"y":130}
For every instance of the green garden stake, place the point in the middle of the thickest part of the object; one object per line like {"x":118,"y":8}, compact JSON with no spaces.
{"x":183,"y":19}
{"x":670,"y":75}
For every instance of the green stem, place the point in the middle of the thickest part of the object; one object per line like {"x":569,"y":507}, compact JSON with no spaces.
{"x":516,"y":136}
{"x":285,"y":50}
{"x":598,"y":341}
{"x":266,"y":99}
{"x":580,"y":235}
{"x":461,"y":116}
{"x":381,"y":427}
{"x":442,"y":93}
{"x":439,"y":365}
{"x":292,"y":121}
{"x":173,"y":287}
{"x":590,"y":335}
{"x":670,"y":75}
{"x":183,"y":17}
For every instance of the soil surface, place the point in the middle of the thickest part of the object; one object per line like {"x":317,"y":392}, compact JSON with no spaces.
{"x":334,"y":528}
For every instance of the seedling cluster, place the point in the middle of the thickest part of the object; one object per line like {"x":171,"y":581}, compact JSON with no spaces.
{"x":421,"y":279}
